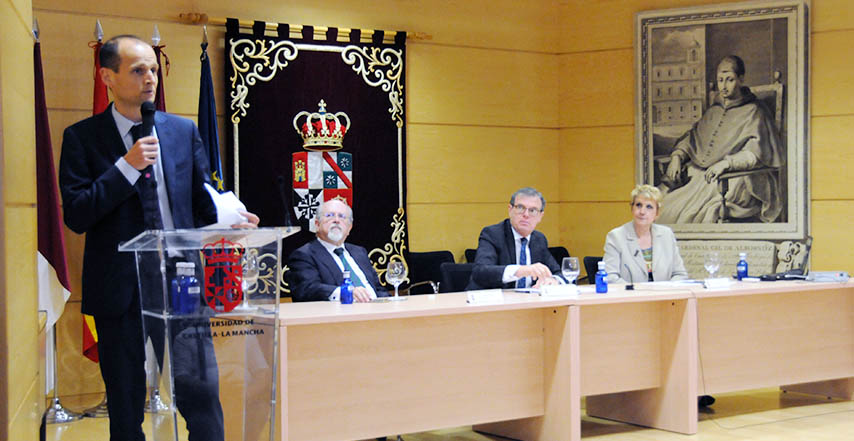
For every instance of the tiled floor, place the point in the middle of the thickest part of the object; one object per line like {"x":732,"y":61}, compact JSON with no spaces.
{"x":759,"y":415}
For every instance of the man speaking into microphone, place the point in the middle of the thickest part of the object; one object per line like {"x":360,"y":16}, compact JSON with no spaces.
{"x":122,"y":172}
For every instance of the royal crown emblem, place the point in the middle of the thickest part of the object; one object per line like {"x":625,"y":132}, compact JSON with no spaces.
{"x":322,"y":131}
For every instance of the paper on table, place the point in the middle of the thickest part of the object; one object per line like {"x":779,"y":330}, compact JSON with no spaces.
{"x":228,"y":209}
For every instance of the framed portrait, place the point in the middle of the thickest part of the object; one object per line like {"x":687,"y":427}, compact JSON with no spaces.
{"x":722,"y":118}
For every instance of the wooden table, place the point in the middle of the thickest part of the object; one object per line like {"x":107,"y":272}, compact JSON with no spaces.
{"x":367,"y":370}
{"x":520,"y":368}
{"x":798,"y":335}
{"x":631,"y":349}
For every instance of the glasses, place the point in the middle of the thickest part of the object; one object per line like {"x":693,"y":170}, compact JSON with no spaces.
{"x":520,"y":209}
{"x":340,"y":216}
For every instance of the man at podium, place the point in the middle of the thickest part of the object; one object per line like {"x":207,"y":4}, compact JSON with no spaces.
{"x":121,"y":172}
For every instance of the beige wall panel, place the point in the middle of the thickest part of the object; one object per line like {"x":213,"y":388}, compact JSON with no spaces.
{"x":22,"y":14}
{"x":68,"y":59}
{"x":831,"y":152}
{"x":832,"y":15}
{"x":76,"y":373}
{"x":587,"y":25}
{"x":832,"y":82}
{"x":451,"y":85}
{"x":182,"y":83}
{"x":831,"y":229}
{"x":24,"y":419}
{"x":21,"y":299}
{"x":479,"y":164}
{"x":596,"y":88}
{"x":583,"y":225}
{"x":530,"y":25}
{"x":596,"y":164}
{"x":19,"y":185}
{"x":456,"y":227}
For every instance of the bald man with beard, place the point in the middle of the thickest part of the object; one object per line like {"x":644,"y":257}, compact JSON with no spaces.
{"x":317,"y":268}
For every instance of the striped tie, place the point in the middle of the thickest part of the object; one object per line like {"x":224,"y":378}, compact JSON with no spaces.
{"x":353,"y":277}
{"x":523,"y":260}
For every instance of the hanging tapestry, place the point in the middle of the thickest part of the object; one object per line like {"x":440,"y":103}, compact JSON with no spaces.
{"x":315,"y":119}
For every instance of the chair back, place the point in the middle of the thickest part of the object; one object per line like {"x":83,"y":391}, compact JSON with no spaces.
{"x":424,"y":270}
{"x":591,"y":265}
{"x":455,"y":276}
{"x":471,"y":253}
{"x":559,"y":253}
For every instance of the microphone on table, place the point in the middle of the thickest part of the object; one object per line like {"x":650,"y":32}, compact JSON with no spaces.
{"x":631,"y":285}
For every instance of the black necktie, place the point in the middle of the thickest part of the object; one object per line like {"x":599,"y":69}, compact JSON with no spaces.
{"x":353,"y":277}
{"x":146,"y":186}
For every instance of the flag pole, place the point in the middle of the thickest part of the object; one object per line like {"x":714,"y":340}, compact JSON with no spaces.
{"x":99,"y":410}
{"x":154,"y":403}
{"x":56,"y":413}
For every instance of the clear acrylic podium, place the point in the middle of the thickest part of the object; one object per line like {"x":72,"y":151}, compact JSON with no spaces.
{"x":216,"y":351}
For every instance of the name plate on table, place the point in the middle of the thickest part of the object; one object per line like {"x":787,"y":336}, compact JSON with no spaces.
{"x":828,"y":276}
{"x":559,"y":290}
{"x":485,"y":296}
{"x":717,"y":283}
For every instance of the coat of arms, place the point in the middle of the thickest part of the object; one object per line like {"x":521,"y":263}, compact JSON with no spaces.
{"x":321,"y":173}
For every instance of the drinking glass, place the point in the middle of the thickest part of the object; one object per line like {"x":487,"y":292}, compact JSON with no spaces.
{"x":395,"y":274}
{"x":249,"y":261}
{"x":570,"y":269}
{"x":712,"y":263}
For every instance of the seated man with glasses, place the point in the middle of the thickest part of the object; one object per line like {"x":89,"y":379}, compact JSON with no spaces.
{"x":510,"y":254}
{"x":316,"y":268}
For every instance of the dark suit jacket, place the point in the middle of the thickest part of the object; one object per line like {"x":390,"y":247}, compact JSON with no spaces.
{"x":99,"y":201}
{"x":496,"y":249}
{"x":314,"y":274}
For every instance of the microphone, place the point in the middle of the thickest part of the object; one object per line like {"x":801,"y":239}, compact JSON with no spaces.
{"x":147,"y":111}
{"x":283,"y":194}
{"x":631,"y":285}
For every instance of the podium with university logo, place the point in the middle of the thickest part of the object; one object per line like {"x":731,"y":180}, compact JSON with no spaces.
{"x":209,"y":301}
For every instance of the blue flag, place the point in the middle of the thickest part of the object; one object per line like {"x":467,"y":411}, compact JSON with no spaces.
{"x":207,"y":120}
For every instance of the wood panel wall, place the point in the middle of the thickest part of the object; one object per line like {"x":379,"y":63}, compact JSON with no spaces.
{"x":20,"y":390}
{"x":504,"y":94}
{"x":482,"y":107}
{"x":597,"y":123}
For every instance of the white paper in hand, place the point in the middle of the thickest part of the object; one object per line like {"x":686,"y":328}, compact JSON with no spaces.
{"x":228,"y":209}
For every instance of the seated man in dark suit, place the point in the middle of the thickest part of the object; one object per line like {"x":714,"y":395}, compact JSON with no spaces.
{"x":316,"y":268}
{"x":510,"y":254}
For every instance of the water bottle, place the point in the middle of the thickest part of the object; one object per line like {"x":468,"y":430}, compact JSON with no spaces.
{"x":176,"y":289}
{"x":192,"y":290}
{"x":741,"y":267}
{"x":601,"y":279}
{"x":346,"y":295}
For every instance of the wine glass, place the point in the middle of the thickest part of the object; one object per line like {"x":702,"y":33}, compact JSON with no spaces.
{"x":570,"y":269}
{"x":712,"y":263}
{"x":249,"y":261}
{"x":395,"y":274}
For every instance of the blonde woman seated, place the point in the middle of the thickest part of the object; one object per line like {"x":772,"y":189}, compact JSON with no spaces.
{"x":641,"y":251}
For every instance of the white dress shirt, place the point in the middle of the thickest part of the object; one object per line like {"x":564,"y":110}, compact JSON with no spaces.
{"x":357,"y":272}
